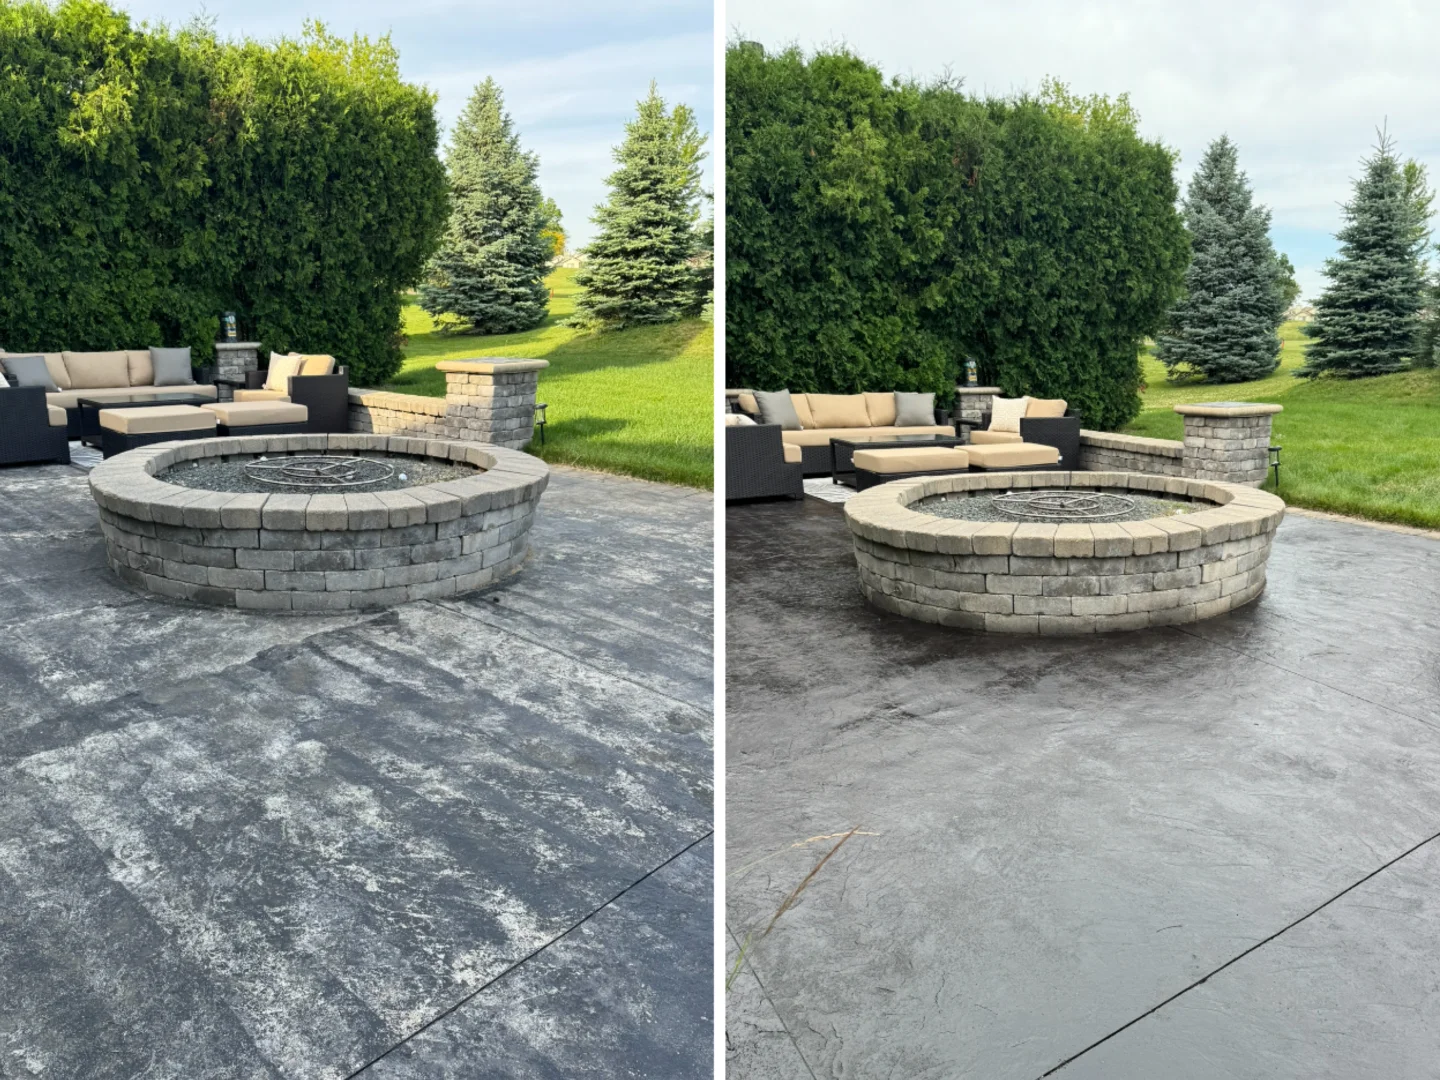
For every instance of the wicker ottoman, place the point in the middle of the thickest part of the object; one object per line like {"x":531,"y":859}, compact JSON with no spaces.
{"x":881,"y":466}
{"x":259,"y":417}
{"x":126,"y":429}
{"x":1014,"y":457}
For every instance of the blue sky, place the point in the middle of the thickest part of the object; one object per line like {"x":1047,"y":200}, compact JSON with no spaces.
{"x":1300,"y":85}
{"x":571,"y":70}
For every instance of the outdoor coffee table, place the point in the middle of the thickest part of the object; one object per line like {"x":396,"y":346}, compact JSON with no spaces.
{"x":90,"y":409}
{"x":842,"y":468}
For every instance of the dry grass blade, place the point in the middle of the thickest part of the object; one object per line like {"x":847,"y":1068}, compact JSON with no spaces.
{"x":795,"y":895}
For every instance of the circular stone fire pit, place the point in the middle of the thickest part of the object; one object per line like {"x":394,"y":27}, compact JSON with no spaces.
{"x":1196,"y":560}
{"x":278,"y":548}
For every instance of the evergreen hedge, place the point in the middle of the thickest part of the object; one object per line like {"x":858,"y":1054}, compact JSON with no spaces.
{"x":879,"y":232}
{"x":151,"y":180}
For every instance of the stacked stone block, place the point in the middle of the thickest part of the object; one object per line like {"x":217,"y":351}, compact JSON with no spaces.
{"x":1227,"y":441}
{"x":973,"y":402}
{"x":323,"y":552}
{"x":1102,"y":451}
{"x":233,"y":359}
{"x":486,"y":401}
{"x":1062,"y":579}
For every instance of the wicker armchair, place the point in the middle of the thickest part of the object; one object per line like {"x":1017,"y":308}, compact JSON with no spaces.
{"x":755,"y":465}
{"x":26,"y":434}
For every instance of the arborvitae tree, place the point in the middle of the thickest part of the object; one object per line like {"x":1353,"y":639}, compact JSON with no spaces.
{"x":1225,"y":326}
{"x":638,"y":268}
{"x":490,"y":268}
{"x":1367,"y":320}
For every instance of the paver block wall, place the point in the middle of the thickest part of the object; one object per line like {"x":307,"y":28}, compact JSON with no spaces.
{"x":1104,"y":451}
{"x":233,"y":359}
{"x":486,"y":401}
{"x":1227,"y":442}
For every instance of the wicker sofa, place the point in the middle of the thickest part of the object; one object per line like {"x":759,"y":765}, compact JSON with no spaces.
{"x":823,"y":417}
{"x":30,"y":430}
{"x":119,"y":374}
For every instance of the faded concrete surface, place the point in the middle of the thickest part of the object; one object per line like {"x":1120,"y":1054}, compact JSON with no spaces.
{"x":1067,"y":833}
{"x":237,"y":845}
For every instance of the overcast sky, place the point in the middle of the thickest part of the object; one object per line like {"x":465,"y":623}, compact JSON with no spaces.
{"x":571,"y":70}
{"x":1300,"y":86}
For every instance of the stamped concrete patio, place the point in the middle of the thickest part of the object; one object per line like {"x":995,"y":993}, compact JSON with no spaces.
{"x":1198,"y":852}
{"x":457,"y":838}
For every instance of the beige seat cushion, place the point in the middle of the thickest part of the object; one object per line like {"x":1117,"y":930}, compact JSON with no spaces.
{"x":317,"y":364}
{"x":260,"y":395}
{"x":880,"y":408}
{"x":822,"y":436}
{"x":839,"y":410}
{"x":142,"y":371}
{"x":153,"y":418}
{"x":97,"y":370}
{"x":67,"y":399}
{"x":981,"y":437}
{"x":1005,"y":413}
{"x":234,"y":414}
{"x":793,"y":454}
{"x":54,"y":363}
{"x":1045,"y":408}
{"x":56,"y":414}
{"x":920,"y":459}
{"x":281,"y":368}
{"x":1012,"y":455}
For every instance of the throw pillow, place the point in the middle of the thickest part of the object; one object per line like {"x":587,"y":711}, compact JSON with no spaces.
{"x":777,"y":408}
{"x":1045,"y":408}
{"x":735,"y":419}
{"x":914,"y":410}
{"x":281,"y":368}
{"x":1005,"y":413}
{"x":30,"y":371}
{"x":172,"y":366}
{"x":747,"y":404}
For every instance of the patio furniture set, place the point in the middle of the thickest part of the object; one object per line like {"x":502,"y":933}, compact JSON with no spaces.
{"x":124,"y":399}
{"x":774,"y":440}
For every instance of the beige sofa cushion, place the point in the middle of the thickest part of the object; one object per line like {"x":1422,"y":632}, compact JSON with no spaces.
{"x":822,"y":436}
{"x":793,"y":454}
{"x":260,"y":395}
{"x":1045,"y":408}
{"x":1005,"y":413}
{"x":154,"y":418}
{"x":235,"y":414}
{"x":54,"y":363}
{"x":56,"y":415}
{"x":880,"y":408}
{"x":838,"y":411}
{"x":920,"y":459}
{"x":67,"y":399}
{"x":981,"y":437}
{"x":749,"y":405}
{"x":142,"y":372}
{"x":316,"y":364}
{"x":97,"y":370}
{"x":802,"y":410}
{"x":281,"y":368}
{"x":1011,"y":455}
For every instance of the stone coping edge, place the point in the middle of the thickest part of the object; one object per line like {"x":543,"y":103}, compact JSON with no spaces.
{"x":1140,"y":444}
{"x":1217,"y":408}
{"x":388,"y":399}
{"x":883,"y":515}
{"x":491,"y":367}
{"x":126,"y":485}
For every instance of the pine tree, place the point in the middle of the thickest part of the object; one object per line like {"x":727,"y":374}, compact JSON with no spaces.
{"x":490,"y":268}
{"x":1367,"y":321}
{"x":1225,"y":326}
{"x":638,"y":268}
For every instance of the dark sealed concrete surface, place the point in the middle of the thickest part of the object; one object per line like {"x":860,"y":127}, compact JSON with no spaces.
{"x":237,"y":845}
{"x":1058,"y":836}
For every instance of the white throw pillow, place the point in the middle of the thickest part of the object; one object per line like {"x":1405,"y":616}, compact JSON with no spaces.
{"x":1005,"y":413}
{"x":738,"y":420}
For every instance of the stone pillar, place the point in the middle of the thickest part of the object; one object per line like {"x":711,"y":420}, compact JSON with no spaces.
{"x":491,"y":401}
{"x":1227,"y":441}
{"x":234,"y":358}
{"x":973,"y":402}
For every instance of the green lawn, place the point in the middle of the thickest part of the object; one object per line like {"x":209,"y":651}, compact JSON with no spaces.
{"x":1366,"y":447}
{"x":633,"y":401}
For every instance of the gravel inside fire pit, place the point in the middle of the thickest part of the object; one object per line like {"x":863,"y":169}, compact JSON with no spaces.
{"x":228,"y":474}
{"x":982,"y":507}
